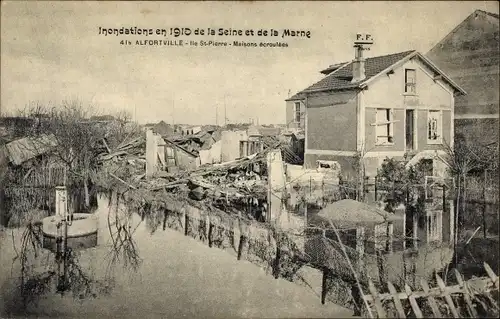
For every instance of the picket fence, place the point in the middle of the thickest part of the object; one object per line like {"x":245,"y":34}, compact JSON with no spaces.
{"x":465,"y":292}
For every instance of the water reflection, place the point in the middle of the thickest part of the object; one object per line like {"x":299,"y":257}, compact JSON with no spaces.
{"x":177,"y":277}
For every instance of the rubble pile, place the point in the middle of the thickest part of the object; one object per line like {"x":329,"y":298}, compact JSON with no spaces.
{"x":194,"y":143}
{"x":238,"y":186}
{"x":126,"y":161}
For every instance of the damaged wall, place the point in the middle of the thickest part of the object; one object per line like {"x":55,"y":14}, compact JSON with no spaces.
{"x":230,"y":147}
{"x":212,"y":155}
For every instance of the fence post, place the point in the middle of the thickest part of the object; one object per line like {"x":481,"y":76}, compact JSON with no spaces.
{"x":324,"y":284}
{"x":186,"y":224}
{"x":210,"y":234}
{"x":323,"y":192}
{"x":277,"y":261}
{"x":360,"y":248}
{"x":165,"y":219}
{"x":241,"y":247}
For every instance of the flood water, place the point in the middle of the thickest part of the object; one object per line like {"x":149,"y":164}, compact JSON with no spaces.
{"x":178,"y":278}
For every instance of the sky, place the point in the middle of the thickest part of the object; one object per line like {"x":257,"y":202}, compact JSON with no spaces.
{"x":52,"y":51}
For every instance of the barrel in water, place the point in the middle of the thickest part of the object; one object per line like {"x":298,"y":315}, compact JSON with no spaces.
{"x":82,"y":232}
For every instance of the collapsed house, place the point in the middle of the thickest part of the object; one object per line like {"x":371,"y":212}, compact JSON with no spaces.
{"x":28,"y":170}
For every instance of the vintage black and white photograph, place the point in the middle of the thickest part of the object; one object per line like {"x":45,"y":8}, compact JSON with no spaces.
{"x":249,"y":159}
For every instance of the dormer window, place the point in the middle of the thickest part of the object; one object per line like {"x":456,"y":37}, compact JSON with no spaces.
{"x":410,"y":81}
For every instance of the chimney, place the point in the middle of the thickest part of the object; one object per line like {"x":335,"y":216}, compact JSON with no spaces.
{"x":362,"y":43}
{"x":358,"y":65}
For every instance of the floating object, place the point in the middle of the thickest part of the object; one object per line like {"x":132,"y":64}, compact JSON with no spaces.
{"x":81,"y":232}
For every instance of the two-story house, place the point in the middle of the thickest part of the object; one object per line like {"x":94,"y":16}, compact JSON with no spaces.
{"x":386,"y":106}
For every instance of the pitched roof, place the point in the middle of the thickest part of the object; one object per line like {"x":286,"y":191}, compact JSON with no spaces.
{"x":340,"y":78}
{"x":495,"y":15}
{"x":24,"y":149}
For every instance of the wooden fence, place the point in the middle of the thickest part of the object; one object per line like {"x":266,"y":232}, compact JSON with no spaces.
{"x":472,"y":298}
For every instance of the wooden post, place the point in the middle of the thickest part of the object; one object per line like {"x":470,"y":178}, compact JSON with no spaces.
{"x":207,"y":228}
{"x":210,"y":234}
{"x":381,"y":267}
{"x":415,"y":229}
{"x":305,"y":215}
{"x":452,"y":221}
{"x":165,"y":213}
{"x":390,"y":237}
{"x":322,"y":192}
{"x":277,"y":261}
{"x":324,"y":284}
{"x":186,"y":224}
{"x":360,"y":248}
{"x":241,"y":247}
{"x":310,"y":187}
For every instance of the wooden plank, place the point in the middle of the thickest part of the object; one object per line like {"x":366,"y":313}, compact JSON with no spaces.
{"x":430,"y":299}
{"x":376,"y":301}
{"x":485,"y":285}
{"x":447,"y":296}
{"x":470,"y":307}
{"x":492,"y":300}
{"x":413,"y":302}
{"x":491,"y":274}
{"x":397,"y":301}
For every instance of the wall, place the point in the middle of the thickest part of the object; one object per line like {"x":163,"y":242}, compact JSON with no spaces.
{"x":277,"y":186}
{"x":371,"y":136}
{"x":388,"y":92}
{"x":481,"y":131}
{"x":422,"y":127}
{"x":230,"y":148}
{"x":290,"y":114}
{"x":186,"y":161}
{"x":212,"y":155}
{"x":330,"y":116}
{"x":469,"y":55}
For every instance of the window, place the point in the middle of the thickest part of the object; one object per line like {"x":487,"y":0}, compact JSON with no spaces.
{"x":410,"y":81}
{"x":297,"y":112}
{"x":434,"y":126}
{"x":250,"y":147}
{"x":384,"y":126}
{"x":434,"y":225}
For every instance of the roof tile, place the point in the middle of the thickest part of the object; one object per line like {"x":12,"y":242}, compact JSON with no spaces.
{"x":340,"y":79}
